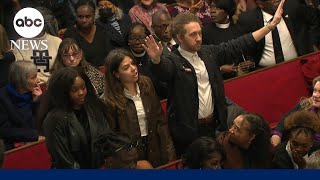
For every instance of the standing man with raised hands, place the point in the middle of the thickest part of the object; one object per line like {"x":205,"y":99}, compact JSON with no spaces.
{"x":196,"y":99}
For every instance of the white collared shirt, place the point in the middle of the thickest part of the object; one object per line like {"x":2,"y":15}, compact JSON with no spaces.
{"x":172,"y":41}
{"x":288,"y":49}
{"x":223,"y":26}
{"x":140,"y":110}
{"x":204,"y":86}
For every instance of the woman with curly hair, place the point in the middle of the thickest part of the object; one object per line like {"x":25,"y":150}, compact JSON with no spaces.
{"x":247,"y":143}
{"x":311,"y":104}
{"x":301,"y":151}
{"x":134,"y":108}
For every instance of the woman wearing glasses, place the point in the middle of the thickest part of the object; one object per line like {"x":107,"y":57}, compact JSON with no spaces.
{"x":301,"y":151}
{"x":71,"y":55}
{"x":134,"y":108}
{"x":136,"y":36}
{"x":247,"y":144}
{"x":75,"y":120}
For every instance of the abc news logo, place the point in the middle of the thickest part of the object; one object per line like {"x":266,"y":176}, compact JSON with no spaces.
{"x":29,"y":23}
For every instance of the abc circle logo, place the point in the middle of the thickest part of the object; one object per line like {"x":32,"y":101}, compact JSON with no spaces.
{"x":28,"y":22}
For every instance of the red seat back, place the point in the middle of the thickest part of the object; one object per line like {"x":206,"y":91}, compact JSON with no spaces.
{"x":270,"y":92}
{"x":32,"y":156}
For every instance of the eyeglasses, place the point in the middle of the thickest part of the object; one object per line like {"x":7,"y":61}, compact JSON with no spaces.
{"x":162,"y":27}
{"x":128,"y":147}
{"x":135,"y":39}
{"x":74,"y":54}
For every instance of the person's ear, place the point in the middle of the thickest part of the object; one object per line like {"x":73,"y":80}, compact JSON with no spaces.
{"x":180,"y":37}
{"x":252,"y":138}
{"x":116,"y":74}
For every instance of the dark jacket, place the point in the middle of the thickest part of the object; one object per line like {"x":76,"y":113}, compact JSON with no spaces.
{"x":5,"y":63}
{"x":117,"y":39}
{"x":303,"y":24}
{"x":17,"y":123}
{"x":67,"y":139}
{"x":160,"y":146}
{"x":282,"y":160}
{"x":183,"y":100}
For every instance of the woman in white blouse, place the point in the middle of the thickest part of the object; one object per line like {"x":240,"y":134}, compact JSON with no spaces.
{"x":134,"y":108}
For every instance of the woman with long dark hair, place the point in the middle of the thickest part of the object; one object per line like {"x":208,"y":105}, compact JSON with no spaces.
{"x":247,"y":144}
{"x":76,"y":119}
{"x":134,"y":108}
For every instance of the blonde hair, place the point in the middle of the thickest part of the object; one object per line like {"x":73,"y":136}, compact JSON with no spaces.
{"x":4,"y":42}
{"x":306,"y":103}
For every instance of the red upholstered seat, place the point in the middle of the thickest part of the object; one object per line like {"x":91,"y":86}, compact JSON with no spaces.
{"x":270,"y":92}
{"x":32,"y":156}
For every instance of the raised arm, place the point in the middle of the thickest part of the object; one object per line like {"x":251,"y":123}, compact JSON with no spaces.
{"x":260,"y":33}
{"x":153,"y":49}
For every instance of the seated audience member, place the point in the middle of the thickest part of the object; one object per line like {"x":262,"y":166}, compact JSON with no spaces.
{"x":71,"y":55}
{"x":221,"y":30}
{"x":93,"y":39}
{"x":2,"y":149}
{"x":18,"y":101}
{"x":44,"y":55}
{"x":295,"y":35}
{"x":52,"y":26}
{"x":136,"y":35}
{"x":203,"y":153}
{"x":160,"y":24}
{"x":247,"y":144}
{"x":311,"y":104}
{"x":301,"y":151}
{"x":75,"y":120}
{"x":134,"y":108}
{"x":119,"y":152}
{"x":114,"y":21}
{"x":6,"y":56}
{"x":142,"y":11}
{"x":198,"y":7}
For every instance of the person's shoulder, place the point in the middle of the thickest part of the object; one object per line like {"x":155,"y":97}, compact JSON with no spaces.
{"x":8,"y":58}
{"x":71,"y":31}
{"x":249,"y":16}
{"x":208,"y":28}
{"x":133,"y":9}
{"x":53,"y":38}
{"x":55,"y":115}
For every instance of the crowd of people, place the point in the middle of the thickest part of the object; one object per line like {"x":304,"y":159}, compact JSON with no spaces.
{"x":110,"y":62}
